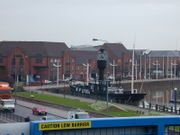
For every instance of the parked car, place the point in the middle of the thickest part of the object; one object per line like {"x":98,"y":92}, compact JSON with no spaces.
{"x":110,"y":77}
{"x":39,"y":111}
{"x":47,"y":82}
{"x":68,"y":79}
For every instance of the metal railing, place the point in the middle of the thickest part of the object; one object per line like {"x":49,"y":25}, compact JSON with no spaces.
{"x":172,"y":130}
{"x":161,"y":108}
{"x":10,"y":117}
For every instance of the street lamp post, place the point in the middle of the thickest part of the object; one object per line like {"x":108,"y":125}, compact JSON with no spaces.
{"x":113,"y":66}
{"x":149,"y":76}
{"x":171,"y":69}
{"x":167,"y":67}
{"x":87,"y":72}
{"x":136,"y":69}
{"x":157,"y":65}
{"x":140,"y":70}
{"x":145,"y":53}
{"x":145,"y":71}
{"x":107,"y":95}
{"x":173,"y":64}
{"x":57,"y":66}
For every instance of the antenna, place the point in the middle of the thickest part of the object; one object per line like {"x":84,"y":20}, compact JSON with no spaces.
{"x":132,"y":76}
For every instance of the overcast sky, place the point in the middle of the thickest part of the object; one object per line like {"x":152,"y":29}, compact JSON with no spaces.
{"x":156,"y":23}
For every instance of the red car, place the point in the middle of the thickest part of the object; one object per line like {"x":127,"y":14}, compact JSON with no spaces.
{"x":39,"y":111}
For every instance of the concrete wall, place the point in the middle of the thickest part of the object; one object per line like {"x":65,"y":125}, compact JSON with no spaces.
{"x":15,"y":128}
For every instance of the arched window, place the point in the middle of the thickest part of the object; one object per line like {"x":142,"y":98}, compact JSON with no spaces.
{"x":39,"y":58}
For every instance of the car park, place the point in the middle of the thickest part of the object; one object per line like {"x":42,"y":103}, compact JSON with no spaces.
{"x":39,"y":111}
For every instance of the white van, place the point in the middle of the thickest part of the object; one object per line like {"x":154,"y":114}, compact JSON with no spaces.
{"x":78,"y":114}
{"x":7,"y":104}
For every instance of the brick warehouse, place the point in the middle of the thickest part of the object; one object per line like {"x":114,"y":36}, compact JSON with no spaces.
{"x":34,"y":60}
{"x":20,"y":59}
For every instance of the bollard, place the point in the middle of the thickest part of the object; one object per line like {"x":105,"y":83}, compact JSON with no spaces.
{"x":156,"y":106}
{"x":149,"y":105}
{"x":164,"y":108}
{"x":171,"y":109}
{"x":143,"y":104}
{"x":27,"y":119}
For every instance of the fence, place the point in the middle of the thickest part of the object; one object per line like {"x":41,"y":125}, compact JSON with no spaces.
{"x":10,"y":117}
{"x":161,"y":108}
{"x":172,"y":130}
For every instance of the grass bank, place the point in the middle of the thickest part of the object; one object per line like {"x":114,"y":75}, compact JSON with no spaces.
{"x":75,"y":103}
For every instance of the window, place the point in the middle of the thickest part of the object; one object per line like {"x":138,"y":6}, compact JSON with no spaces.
{"x":1,"y":59}
{"x":13,"y":61}
{"x":119,"y":60}
{"x":39,"y":58}
{"x":21,"y":61}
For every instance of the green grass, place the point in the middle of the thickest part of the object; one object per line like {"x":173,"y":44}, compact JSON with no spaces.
{"x":75,"y":103}
{"x":113,"y":111}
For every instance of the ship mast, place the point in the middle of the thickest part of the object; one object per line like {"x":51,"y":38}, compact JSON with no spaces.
{"x":132,"y":76}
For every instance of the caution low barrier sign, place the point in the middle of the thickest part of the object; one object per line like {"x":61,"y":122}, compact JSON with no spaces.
{"x":64,"y":125}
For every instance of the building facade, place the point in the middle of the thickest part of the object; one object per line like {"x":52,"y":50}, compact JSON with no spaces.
{"x":30,"y":61}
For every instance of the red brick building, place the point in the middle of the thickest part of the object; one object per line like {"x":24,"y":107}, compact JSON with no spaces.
{"x":121,"y":57}
{"x":38,"y":61}
{"x":20,"y":60}
{"x":157,"y":64}
{"x":84,"y":58}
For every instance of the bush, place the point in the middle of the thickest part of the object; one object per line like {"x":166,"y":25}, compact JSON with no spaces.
{"x":19,"y":89}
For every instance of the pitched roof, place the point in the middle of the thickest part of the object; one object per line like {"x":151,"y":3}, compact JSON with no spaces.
{"x":117,"y":48}
{"x":85,"y":48}
{"x":82,"y":56}
{"x":32,"y":48}
{"x":137,"y":51}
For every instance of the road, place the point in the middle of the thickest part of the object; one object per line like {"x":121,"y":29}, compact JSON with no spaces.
{"x":24,"y":109}
{"x":25,"y":112}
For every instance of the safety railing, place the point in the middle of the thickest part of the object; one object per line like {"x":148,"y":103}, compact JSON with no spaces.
{"x":10,"y":117}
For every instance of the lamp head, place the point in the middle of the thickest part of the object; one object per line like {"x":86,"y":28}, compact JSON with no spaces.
{"x":95,"y":39}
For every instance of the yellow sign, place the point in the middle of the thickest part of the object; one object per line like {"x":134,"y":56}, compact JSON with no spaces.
{"x":64,"y":125}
